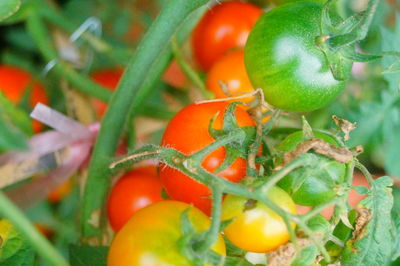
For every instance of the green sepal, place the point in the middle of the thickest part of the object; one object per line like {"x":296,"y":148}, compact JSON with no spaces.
{"x":351,"y":54}
{"x":235,"y":149}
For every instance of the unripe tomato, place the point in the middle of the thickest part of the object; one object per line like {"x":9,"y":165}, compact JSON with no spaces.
{"x":109,"y":78}
{"x":230,"y":70}
{"x":15,"y":82}
{"x":151,"y":236}
{"x":188,"y":133}
{"x":134,"y":191}
{"x":257,"y":228}
{"x":282,"y":58}
{"x":310,"y":185}
{"x":223,"y":27}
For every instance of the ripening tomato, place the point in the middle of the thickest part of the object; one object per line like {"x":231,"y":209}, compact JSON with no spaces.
{"x":257,"y":228}
{"x":188,"y":133}
{"x":283,"y":58}
{"x":151,"y":236}
{"x":16,"y":82}
{"x":109,"y":78}
{"x":133,"y":191}
{"x":312,"y":185}
{"x":230,"y":70}
{"x":223,"y":27}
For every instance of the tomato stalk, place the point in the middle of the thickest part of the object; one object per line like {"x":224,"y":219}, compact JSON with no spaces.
{"x":191,"y":166}
{"x":154,"y":42}
{"x":40,"y":36}
{"x":212,"y":233}
{"x":11,"y":212}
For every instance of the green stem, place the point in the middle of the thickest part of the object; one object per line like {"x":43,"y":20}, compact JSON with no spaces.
{"x":302,"y":160}
{"x":213,"y":232}
{"x":189,"y":71}
{"x":153,"y":44}
{"x":40,"y":35}
{"x":9,"y":211}
{"x":364,"y":171}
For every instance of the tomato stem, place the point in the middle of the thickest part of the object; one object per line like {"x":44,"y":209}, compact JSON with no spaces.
{"x":11,"y":212}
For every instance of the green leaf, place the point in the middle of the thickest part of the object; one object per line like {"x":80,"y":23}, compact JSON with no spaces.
{"x":10,"y":137}
{"x":14,"y":250}
{"x":390,"y":42}
{"x":88,"y":255}
{"x":396,"y":223}
{"x":372,"y":240}
{"x":306,"y":256}
{"x":8,"y":7}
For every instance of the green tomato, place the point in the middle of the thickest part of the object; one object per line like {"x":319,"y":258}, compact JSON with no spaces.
{"x":282,"y":58}
{"x":316,"y":184}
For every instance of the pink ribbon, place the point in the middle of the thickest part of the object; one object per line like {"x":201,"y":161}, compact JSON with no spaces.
{"x":63,"y":150}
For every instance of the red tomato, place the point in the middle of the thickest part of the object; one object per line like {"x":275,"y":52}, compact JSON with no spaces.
{"x":188,"y":133}
{"x":223,"y":27}
{"x":14,"y":82}
{"x":108,"y":78}
{"x":135,"y":190}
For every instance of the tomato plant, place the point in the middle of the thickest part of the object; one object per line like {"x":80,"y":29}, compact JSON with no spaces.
{"x":223,"y":27}
{"x":133,"y":191}
{"x":254,"y":226}
{"x":283,"y":58}
{"x":188,"y":132}
{"x":17,"y":84}
{"x":315,"y":184}
{"x":151,"y":236}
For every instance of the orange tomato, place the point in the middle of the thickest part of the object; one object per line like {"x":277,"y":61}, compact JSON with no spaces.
{"x":188,"y":133}
{"x":230,"y":70}
{"x":223,"y":27}
{"x":14,"y":83}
